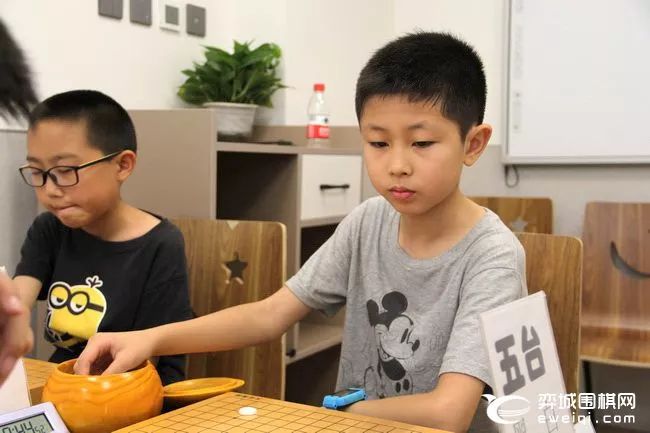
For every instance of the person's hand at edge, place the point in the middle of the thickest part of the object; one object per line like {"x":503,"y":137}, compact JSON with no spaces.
{"x":16,"y":337}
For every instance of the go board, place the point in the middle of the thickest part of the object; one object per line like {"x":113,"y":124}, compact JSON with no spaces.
{"x":37,"y":374}
{"x":220,"y":414}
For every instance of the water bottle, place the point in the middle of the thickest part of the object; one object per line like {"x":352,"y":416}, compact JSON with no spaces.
{"x":318,"y":130}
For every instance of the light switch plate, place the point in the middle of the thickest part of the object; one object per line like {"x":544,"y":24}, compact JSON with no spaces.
{"x":140,"y":12}
{"x":195,"y":22}
{"x":170,"y":15}
{"x":110,"y":8}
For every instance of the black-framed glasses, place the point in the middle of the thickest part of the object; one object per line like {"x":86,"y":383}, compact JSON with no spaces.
{"x":61,"y":175}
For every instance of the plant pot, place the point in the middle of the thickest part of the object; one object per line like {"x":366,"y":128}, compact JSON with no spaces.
{"x":234,"y":121}
{"x":97,"y":404}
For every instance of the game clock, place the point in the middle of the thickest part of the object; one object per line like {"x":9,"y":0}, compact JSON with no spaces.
{"x":42,"y":418}
{"x":33,"y":424}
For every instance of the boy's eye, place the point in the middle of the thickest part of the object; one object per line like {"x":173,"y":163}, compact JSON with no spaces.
{"x":377,"y":144}
{"x":423,"y":143}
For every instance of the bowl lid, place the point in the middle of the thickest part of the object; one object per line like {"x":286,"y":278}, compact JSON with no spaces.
{"x":202,"y":387}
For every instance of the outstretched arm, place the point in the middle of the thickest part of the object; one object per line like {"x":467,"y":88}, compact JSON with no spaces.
{"x":450,"y":406}
{"x":232,"y":328}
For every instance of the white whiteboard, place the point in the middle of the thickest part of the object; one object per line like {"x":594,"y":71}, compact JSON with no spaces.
{"x":578,"y":82}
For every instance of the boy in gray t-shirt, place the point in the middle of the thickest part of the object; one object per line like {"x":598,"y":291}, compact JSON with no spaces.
{"x":409,"y":320}
{"x":415,"y":267}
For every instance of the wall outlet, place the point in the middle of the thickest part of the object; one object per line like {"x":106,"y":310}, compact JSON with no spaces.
{"x":195,"y":23}
{"x":170,"y":15}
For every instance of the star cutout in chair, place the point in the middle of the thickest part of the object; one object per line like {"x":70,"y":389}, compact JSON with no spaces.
{"x":518,"y":225}
{"x":235,"y":269}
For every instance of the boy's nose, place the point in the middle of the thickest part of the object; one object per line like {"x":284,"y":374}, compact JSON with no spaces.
{"x":399,"y":165}
{"x":51,"y":188}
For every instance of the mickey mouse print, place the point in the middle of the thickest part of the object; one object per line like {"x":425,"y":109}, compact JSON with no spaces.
{"x":396,"y":346}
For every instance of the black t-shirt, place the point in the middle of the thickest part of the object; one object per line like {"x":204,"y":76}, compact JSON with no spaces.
{"x":92,"y":285}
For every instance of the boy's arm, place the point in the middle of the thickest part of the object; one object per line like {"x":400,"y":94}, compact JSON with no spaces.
{"x":28,"y":289}
{"x":232,"y":328}
{"x":450,"y":406}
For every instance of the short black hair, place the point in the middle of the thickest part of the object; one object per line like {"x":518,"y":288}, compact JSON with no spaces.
{"x":108,"y":125}
{"x":428,"y":67}
{"x":16,"y":92}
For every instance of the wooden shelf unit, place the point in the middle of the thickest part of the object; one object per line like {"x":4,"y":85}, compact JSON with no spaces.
{"x":183,"y":171}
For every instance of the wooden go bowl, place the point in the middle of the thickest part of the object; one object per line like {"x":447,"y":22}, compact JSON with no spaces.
{"x":104,"y":403}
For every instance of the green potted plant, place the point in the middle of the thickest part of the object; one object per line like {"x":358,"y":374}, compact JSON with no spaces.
{"x":234,"y":84}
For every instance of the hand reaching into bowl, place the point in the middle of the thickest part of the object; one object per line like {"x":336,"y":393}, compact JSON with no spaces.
{"x":114,"y":352}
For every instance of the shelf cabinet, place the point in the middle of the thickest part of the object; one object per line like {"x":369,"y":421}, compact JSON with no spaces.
{"x":183,"y":171}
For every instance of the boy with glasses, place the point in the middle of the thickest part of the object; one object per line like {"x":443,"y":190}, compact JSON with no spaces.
{"x":100,"y":263}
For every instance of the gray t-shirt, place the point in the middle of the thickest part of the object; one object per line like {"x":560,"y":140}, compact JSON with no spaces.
{"x":408,"y":320}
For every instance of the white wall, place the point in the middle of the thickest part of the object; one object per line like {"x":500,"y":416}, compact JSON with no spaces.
{"x":329,"y":41}
{"x":482,"y":23}
{"x":72,"y":46}
{"x":322,"y":41}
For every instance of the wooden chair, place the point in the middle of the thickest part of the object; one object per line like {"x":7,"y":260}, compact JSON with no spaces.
{"x":616,"y":291}
{"x":232,"y":263}
{"x":554,"y":264}
{"x":532,"y":215}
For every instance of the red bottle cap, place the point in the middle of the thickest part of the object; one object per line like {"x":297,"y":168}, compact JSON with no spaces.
{"x":319,"y":87}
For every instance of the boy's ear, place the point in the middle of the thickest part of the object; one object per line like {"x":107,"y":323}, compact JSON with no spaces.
{"x":126,"y":164}
{"x":475,"y":142}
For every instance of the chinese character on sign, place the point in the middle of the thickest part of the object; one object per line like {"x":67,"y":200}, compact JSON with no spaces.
{"x":534,"y":359}
{"x":520,"y":426}
{"x":551,"y":418}
{"x":587,"y":400}
{"x":509,"y":364}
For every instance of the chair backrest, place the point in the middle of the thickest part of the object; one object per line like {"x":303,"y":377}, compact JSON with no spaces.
{"x":232,"y":263}
{"x":554,"y":265}
{"x":616,"y":293}
{"x":521,"y":214}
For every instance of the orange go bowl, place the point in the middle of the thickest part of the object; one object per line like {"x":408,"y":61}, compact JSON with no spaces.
{"x":104,"y":403}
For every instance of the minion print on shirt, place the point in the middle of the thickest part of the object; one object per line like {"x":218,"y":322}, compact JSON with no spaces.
{"x":74,"y":312}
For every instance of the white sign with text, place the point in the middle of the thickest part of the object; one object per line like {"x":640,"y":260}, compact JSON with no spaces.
{"x":525,"y":368}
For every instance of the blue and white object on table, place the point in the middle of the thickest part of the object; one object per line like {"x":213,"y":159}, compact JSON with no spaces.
{"x":527,"y":379}
{"x":41,"y":418}
{"x":344,"y":398}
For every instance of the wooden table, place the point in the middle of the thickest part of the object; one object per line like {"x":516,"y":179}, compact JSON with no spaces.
{"x":221,"y":414}
{"x":37,"y":374}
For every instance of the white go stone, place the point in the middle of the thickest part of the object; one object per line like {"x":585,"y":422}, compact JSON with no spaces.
{"x":247,"y":410}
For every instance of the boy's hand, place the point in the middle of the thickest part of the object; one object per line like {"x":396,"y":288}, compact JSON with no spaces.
{"x":114,"y":352}
{"x":16,"y":337}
